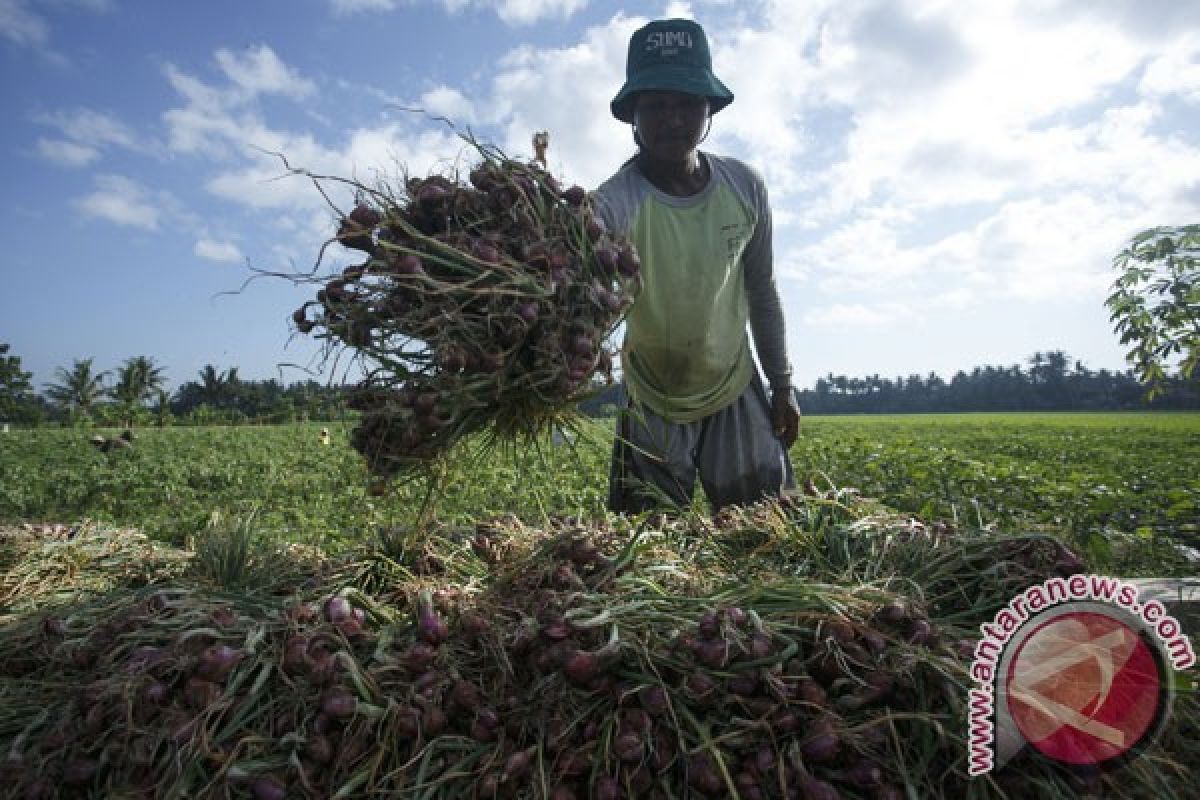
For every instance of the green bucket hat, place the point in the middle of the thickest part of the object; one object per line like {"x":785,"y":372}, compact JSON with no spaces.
{"x":669,"y":55}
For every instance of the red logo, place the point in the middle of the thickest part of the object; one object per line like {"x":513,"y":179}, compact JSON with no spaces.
{"x":1085,"y":688}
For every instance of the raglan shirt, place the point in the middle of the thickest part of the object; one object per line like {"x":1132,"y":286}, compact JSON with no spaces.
{"x":706,"y":272}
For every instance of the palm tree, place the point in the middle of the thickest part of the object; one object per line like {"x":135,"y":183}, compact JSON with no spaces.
{"x":78,"y":389}
{"x":217,"y":388}
{"x":137,"y":381}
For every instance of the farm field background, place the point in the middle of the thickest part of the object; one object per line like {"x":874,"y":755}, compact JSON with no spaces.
{"x":1123,"y":487}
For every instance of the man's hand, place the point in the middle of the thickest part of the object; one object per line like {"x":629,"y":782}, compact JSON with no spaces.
{"x":785,"y":415}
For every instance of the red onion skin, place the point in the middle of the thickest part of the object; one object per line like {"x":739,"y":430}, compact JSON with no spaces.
{"x":482,"y":733}
{"x":519,"y":764}
{"x":433,"y":722}
{"x":628,"y":748}
{"x":783,"y":722}
{"x":339,"y":703}
{"x":701,"y":688}
{"x":408,"y":723}
{"x":607,"y":788}
{"x":420,"y":656}
{"x":922,"y":633}
{"x":268,"y":788}
{"x":465,"y":695}
{"x":816,"y":789}
{"x":654,"y":699}
{"x":703,"y":776}
{"x":575,"y":763}
{"x":430,"y":627}
{"x":894,"y":613}
{"x":156,"y":692}
{"x":742,"y":684}
{"x":821,"y":748}
{"x":338,"y":609}
{"x":712,"y":653}
{"x":863,"y":774}
{"x":217,"y":661}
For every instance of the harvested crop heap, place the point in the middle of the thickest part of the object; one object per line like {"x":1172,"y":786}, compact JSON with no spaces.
{"x":481,"y":306}
{"x":571,"y":661}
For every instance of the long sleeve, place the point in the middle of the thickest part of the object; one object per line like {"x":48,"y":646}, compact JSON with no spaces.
{"x":765,"y":307}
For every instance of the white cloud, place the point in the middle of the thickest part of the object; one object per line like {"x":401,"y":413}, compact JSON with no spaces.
{"x":222,"y":252}
{"x":20,"y":25}
{"x":924,"y":155}
{"x":1176,"y":71}
{"x":566,"y":91}
{"x":86,"y":133}
{"x":450,"y":103}
{"x":66,"y":153}
{"x":512,"y":12}
{"x":527,"y":12}
{"x":123,"y":201}
{"x":855,"y":315}
{"x":257,"y":70}
{"x":345,"y":7}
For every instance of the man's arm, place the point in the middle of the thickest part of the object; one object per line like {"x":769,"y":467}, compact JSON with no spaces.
{"x":767,"y":321}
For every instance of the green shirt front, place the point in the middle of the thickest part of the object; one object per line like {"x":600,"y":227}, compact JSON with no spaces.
{"x":706,"y":272}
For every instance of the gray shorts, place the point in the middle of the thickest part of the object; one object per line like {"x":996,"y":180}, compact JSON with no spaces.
{"x":734,"y":451}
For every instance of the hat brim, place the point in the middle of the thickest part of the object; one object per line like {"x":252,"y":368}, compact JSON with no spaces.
{"x":671,"y":78}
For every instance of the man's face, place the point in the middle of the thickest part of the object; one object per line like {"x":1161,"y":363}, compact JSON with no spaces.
{"x":670,"y":124}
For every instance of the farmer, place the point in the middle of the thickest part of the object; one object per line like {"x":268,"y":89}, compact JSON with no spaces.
{"x":702,"y":226}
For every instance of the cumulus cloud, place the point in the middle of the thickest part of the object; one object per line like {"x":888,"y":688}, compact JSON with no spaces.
{"x":257,"y":70}
{"x":566,"y":91}
{"x":450,"y":103}
{"x":527,"y":12}
{"x":512,"y":12}
{"x":1176,"y":71}
{"x":221,"y":252}
{"x":923,"y":155}
{"x":122,"y":201}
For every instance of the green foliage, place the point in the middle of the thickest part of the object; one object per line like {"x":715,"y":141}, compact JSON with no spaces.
{"x":232,"y":553}
{"x":78,"y":389}
{"x":138,"y":380}
{"x":1116,"y":485}
{"x":17,"y":401}
{"x":1155,"y":302}
{"x":1119,"y":486}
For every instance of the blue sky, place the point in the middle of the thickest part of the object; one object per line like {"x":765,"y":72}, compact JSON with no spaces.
{"x":950,"y":181}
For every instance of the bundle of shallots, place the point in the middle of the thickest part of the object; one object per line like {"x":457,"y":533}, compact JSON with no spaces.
{"x":481,"y":306}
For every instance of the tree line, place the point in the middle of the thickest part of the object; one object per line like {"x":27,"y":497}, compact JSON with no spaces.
{"x":1052,"y":382}
{"x":134,"y":394}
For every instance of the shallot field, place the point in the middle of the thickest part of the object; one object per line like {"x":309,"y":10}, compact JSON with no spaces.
{"x":240,"y":613}
{"x":1123,"y":486}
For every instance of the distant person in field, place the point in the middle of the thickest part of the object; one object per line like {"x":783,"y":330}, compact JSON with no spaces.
{"x":702,"y":226}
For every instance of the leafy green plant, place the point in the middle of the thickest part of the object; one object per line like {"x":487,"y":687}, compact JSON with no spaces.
{"x":1155,"y":302}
